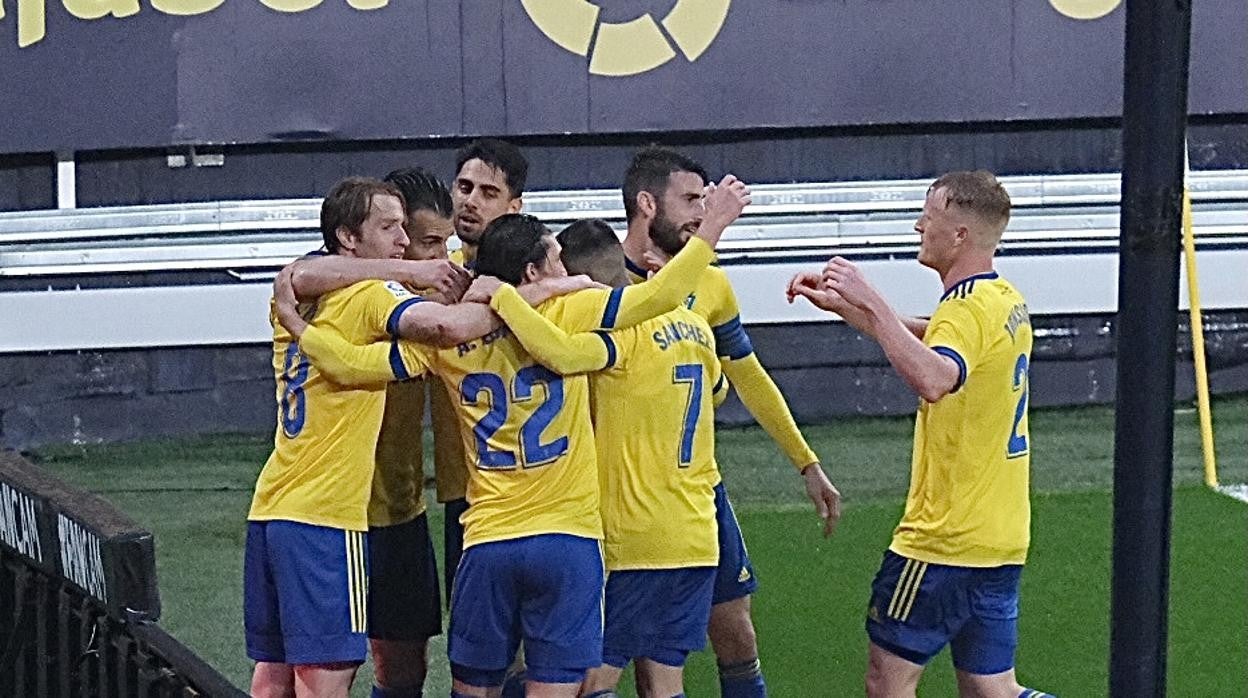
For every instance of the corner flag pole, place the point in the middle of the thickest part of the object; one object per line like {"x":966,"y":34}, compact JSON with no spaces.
{"x":1154,"y":123}
{"x":1198,"y":332}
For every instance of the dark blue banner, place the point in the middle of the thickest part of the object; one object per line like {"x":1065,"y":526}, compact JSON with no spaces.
{"x":92,"y":74}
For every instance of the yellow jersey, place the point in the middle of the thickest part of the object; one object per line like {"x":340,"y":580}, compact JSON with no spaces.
{"x":321,"y":468}
{"x":654,"y":425}
{"x":398,"y":479}
{"x":715,"y":300}
{"x":526,"y":431}
{"x":968,"y":501}
{"x":449,"y":466}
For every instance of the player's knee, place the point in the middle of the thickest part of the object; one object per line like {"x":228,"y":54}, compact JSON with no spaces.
{"x":732,"y":631}
{"x":272,"y":680}
{"x":878,"y":684}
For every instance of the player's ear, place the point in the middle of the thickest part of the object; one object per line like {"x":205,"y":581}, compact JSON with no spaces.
{"x":531,"y":273}
{"x":962,"y":235}
{"x":647,"y":204}
{"x":515,"y":204}
{"x":346,"y":239}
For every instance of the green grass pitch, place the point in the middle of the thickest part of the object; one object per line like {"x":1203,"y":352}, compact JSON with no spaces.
{"x":193,"y":494}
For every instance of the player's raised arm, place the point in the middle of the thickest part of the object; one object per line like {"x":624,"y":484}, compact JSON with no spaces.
{"x":930,"y":373}
{"x":551,"y":346}
{"x":314,"y":276}
{"x":814,"y":287}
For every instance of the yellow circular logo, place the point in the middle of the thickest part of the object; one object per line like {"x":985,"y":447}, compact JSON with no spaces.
{"x":636,"y":46}
{"x":1085,"y":9}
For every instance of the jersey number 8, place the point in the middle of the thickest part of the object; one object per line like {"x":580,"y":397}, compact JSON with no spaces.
{"x":294,"y":406}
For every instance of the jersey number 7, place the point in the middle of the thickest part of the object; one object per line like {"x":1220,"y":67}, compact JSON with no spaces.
{"x":690,"y":374}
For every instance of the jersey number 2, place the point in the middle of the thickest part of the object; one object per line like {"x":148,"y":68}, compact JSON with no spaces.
{"x":532,"y":451}
{"x":1018,"y":442}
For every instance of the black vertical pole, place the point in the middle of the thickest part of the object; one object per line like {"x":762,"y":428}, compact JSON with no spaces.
{"x":1154,"y":130}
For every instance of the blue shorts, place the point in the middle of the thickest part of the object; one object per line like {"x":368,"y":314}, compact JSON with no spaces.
{"x":452,"y":540}
{"x":735,"y":577}
{"x":403,"y":599}
{"x":656,"y":614}
{"x":917,"y":608}
{"x":304,"y":593}
{"x":546,"y":590}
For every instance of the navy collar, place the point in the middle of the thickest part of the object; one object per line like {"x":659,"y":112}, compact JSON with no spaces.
{"x":969,"y":280}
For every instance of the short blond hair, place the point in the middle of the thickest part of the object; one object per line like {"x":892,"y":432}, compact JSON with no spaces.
{"x":978,"y":193}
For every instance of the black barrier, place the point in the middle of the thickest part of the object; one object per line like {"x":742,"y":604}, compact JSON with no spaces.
{"x":78,"y":599}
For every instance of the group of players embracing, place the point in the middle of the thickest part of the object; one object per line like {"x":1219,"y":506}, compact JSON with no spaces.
{"x":572,"y":381}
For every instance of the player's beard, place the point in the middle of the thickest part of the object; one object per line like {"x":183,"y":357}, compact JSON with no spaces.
{"x":666,"y":235}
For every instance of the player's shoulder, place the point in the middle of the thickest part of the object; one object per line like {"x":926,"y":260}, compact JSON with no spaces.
{"x":370,"y":288}
{"x":715,"y":279}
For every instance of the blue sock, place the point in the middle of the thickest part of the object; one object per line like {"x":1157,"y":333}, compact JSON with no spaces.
{"x":457,"y":694}
{"x":604,"y":693}
{"x":408,"y":692}
{"x":1033,"y":693}
{"x":742,"y":680}
{"x":513,"y":685}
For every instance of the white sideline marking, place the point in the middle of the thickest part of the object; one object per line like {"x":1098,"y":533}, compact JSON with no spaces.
{"x":1239,"y":492}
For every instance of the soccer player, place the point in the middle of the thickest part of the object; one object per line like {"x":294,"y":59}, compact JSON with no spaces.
{"x":654,"y":425}
{"x":951,"y":574}
{"x":306,"y":551}
{"x":490,"y":175}
{"x":404,"y":605}
{"x":664,"y":195}
{"x":528,"y":571}
{"x":489,"y":181}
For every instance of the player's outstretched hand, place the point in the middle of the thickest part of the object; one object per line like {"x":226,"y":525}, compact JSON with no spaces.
{"x":724,"y":203}
{"x":826,"y":497}
{"x":810,"y":285}
{"x":845,"y":279}
{"x":445,"y":277}
{"x":482,"y":290}
{"x":286,"y":305}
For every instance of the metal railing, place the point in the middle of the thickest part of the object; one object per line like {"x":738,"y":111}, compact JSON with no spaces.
{"x":251,"y":237}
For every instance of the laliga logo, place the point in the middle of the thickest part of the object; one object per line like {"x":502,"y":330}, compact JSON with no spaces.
{"x":636,"y":46}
